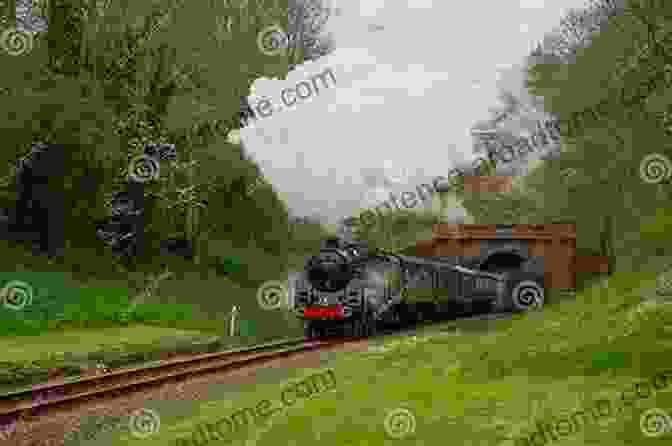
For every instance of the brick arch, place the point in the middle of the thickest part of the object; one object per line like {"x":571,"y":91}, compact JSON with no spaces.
{"x":550,"y":249}
{"x":487,"y":248}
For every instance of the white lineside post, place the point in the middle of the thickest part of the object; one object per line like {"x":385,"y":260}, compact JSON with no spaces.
{"x":233,"y":320}
{"x":291,"y":290}
{"x":192,"y":214}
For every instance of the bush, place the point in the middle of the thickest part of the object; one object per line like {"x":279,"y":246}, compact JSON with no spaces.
{"x":55,"y":304}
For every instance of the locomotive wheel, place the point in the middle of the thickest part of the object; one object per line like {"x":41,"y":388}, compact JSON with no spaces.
{"x":368,"y":325}
{"x":356,"y":328}
{"x":371,"y":328}
{"x":501,"y":304}
{"x":408,"y":314}
{"x":374,"y":325}
{"x":482,"y":307}
{"x":308,"y":330}
{"x":452,"y":310}
{"x":362,"y":327}
{"x":425,"y":312}
{"x":396,"y":317}
{"x":312,"y":331}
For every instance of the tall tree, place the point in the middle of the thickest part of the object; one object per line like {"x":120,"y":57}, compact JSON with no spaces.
{"x":603,"y":92}
{"x":130,"y":73}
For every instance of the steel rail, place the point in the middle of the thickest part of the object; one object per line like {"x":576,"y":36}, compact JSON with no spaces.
{"x":28,"y":402}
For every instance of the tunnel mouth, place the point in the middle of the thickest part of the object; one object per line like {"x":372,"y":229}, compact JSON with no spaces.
{"x":501,"y":262}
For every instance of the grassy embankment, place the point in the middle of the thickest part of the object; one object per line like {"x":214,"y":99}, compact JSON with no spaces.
{"x":74,"y":322}
{"x":486,"y":384}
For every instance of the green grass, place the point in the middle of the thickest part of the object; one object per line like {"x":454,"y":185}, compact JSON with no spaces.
{"x":64,"y":310}
{"x":83,"y":341}
{"x":69,"y":293}
{"x":189,"y":300}
{"x":50,"y":300}
{"x":28,"y":360}
{"x":484,"y":386}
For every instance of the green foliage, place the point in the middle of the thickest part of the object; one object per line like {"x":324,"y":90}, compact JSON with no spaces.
{"x":306,"y":235}
{"x":61,"y":305}
{"x":139,"y":72}
{"x":491,"y":208}
{"x":658,"y":228}
{"x":611,"y":97}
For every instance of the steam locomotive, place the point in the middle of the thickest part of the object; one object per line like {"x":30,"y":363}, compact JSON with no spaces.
{"x":353,"y":289}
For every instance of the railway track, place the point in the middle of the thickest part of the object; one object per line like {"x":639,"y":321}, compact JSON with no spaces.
{"x":32,"y":402}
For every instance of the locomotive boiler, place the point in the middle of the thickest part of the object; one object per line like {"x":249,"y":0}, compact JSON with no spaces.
{"x":347,"y":285}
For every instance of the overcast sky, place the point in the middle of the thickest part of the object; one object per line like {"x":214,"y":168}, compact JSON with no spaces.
{"x":412,"y":77}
